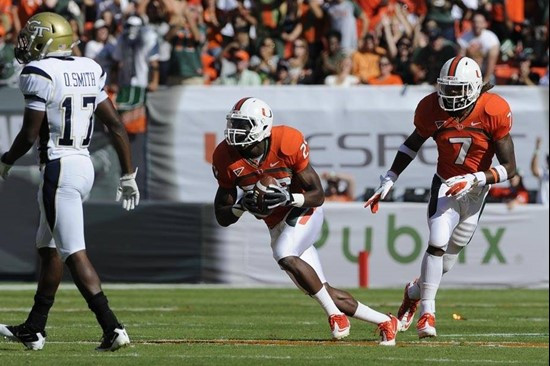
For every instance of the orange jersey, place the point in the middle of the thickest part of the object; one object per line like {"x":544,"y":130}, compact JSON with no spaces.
{"x":288,"y":154}
{"x":467,"y":146}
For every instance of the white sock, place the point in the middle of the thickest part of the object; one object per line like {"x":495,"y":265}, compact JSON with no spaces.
{"x":431,"y":272}
{"x":326,"y":302}
{"x":414,"y":290}
{"x":367,"y":314}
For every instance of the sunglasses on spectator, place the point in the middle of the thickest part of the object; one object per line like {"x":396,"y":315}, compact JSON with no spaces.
{"x":299,"y":45}
{"x":385,"y":63}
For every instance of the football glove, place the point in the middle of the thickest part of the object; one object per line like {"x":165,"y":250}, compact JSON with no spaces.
{"x":128,"y":191}
{"x":460,"y":185}
{"x":250,"y":204}
{"x":386,"y":182}
{"x":4,"y":168}
{"x":277,"y":196}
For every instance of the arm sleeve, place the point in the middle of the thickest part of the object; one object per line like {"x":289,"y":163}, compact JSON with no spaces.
{"x":36,"y":86}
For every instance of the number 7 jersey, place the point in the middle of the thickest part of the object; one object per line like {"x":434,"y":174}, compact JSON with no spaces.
{"x":466,"y":146}
{"x":68,"y":90}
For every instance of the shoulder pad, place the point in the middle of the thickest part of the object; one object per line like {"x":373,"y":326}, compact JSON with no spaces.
{"x":290,"y":140}
{"x":496,"y":105}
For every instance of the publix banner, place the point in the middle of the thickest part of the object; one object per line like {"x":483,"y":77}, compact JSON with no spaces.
{"x":351,"y":130}
{"x":510,"y":248}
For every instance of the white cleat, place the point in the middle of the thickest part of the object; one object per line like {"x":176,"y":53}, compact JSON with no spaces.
{"x":114,"y":340}
{"x":426,"y":326}
{"x":21,"y":333}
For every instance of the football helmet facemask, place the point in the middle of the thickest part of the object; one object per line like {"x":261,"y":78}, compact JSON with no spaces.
{"x":249,"y":122}
{"x":45,"y":34}
{"x":459,"y":84}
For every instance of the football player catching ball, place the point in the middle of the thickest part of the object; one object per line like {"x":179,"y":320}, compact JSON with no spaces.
{"x":293,"y":212}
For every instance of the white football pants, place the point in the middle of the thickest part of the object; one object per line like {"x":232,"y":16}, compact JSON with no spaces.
{"x":66,"y":183}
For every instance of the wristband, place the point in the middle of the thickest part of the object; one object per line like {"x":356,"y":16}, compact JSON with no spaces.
{"x":499,"y":173}
{"x":237,"y":210}
{"x":298,"y":200}
{"x":481,"y":178}
{"x":407,"y":151}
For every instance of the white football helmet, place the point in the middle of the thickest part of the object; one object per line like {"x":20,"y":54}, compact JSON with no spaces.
{"x":459,"y":83}
{"x":249,"y":121}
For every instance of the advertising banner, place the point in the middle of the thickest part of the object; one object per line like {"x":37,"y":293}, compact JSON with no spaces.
{"x":509,"y":248}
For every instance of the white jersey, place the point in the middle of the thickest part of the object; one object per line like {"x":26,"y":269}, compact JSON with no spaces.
{"x":68,"y":90}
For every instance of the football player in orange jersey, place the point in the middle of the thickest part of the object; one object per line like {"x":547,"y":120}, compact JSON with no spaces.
{"x":253,"y":147}
{"x":470,"y":126}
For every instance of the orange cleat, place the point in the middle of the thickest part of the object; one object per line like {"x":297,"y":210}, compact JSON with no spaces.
{"x":426,"y":326}
{"x":339,"y":325}
{"x":406,"y":311}
{"x":388,"y":331}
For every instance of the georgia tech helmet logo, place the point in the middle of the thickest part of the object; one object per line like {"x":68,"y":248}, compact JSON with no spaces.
{"x":35,"y":28}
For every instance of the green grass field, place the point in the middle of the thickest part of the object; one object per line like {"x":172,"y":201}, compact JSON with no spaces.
{"x":224,"y":326}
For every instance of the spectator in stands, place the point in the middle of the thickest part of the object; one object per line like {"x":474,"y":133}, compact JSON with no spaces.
{"x":9,"y":18}
{"x":158,"y":13}
{"x":119,"y":9}
{"x":9,"y":67}
{"x":439,"y":11}
{"x":291,"y":27}
{"x":269,"y":17}
{"x":339,"y":187}
{"x":402,"y":62}
{"x":299,"y":65}
{"x":427,"y":61}
{"x":514,"y":194}
{"x":242,"y":76}
{"x":484,"y":40}
{"x":187,"y":41}
{"x":366,"y":60}
{"x":343,"y":15}
{"x":524,"y":75}
{"x":541,"y":173}
{"x":265,"y":63}
{"x":343,"y":76}
{"x":102,"y":47}
{"x":386,"y":77}
{"x":394,"y":28}
{"x":313,"y":20}
{"x":282,"y":76}
{"x":331,"y":57}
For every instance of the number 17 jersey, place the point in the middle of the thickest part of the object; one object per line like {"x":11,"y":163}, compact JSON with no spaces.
{"x":68,"y":90}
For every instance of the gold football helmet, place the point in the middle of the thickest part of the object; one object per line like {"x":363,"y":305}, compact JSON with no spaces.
{"x":45,"y":34}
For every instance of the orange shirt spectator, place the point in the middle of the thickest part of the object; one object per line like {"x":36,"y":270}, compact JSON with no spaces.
{"x":365,"y":60}
{"x":26,"y":9}
{"x":386,"y":77}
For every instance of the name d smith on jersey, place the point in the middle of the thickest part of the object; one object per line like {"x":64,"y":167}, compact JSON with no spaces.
{"x":79,"y":79}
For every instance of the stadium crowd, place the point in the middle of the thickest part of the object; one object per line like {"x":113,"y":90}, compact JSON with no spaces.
{"x":281,"y":42}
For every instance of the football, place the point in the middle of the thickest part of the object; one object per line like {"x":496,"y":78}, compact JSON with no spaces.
{"x":260,"y":189}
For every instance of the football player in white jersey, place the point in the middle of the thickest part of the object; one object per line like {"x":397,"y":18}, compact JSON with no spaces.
{"x":62,"y":93}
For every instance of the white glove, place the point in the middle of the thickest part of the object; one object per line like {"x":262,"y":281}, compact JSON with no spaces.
{"x":386,"y":182}
{"x":460,"y":185}
{"x":277,"y":196}
{"x":4,"y":169}
{"x":128,"y":191}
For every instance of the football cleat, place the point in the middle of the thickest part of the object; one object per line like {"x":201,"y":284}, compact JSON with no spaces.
{"x":388,"y":331}
{"x":339,"y":326}
{"x":426,"y":326}
{"x":114,"y":340}
{"x":406,"y":311}
{"x":32,"y":339}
